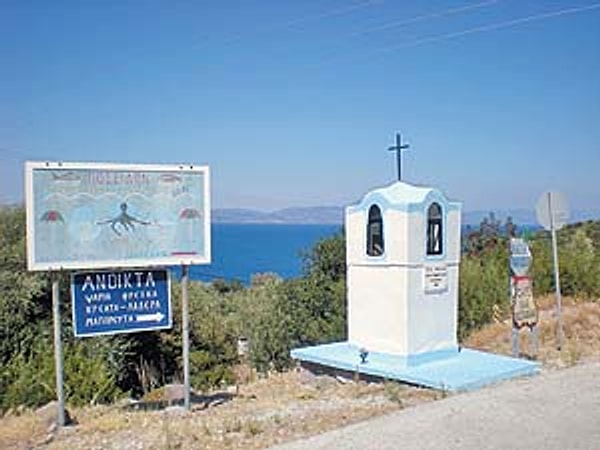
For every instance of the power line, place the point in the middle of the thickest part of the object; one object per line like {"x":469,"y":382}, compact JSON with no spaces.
{"x":338,"y":11}
{"x":423,"y":18}
{"x":492,"y":26}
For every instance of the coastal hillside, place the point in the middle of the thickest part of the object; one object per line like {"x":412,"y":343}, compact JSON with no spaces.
{"x":116,"y":384}
{"x":335,"y":215}
{"x":274,"y":408}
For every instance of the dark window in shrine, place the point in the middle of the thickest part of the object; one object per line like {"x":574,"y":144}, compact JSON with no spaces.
{"x":434,"y":230}
{"x":375,"y":245}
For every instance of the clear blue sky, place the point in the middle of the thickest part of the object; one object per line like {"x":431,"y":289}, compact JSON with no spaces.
{"x":294,"y":103}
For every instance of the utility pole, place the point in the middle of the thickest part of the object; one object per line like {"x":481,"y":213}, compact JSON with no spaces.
{"x":398,"y":149}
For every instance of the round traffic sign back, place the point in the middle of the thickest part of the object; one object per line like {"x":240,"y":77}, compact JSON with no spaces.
{"x":552,"y":210}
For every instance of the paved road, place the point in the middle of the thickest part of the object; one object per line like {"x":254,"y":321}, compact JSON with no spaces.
{"x":555,"y":410}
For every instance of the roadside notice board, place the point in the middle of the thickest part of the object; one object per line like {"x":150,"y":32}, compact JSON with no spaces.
{"x":524,"y":308}
{"x":120,"y":301}
{"x":97,"y":215}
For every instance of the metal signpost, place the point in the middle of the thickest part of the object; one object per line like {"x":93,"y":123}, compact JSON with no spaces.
{"x":112,"y":216}
{"x":122,"y":301}
{"x":58,"y":350}
{"x":185,"y":331}
{"x":552,"y":213}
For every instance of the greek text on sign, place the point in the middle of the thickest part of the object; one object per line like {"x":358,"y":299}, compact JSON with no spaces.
{"x":436,"y":278}
{"x":120,"y":301}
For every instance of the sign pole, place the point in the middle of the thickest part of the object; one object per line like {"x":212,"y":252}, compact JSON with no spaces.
{"x":58,"y":350}
{"x":552,"y":213}
{"x":559,"y":331}
{"x":185,"y":331}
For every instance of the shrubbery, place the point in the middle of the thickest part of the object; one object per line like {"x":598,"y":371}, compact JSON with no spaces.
{"x":274,"y":315}
{"x":484,"y":282}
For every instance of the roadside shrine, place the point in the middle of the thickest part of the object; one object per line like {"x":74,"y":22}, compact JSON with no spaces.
{"x":403,"y":256}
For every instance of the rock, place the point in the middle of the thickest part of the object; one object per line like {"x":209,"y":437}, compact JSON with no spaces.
{"x":126,"y":402}
{"x":48,"y":415}
{"x":173,"y":393}
{"x":175,"y":410}
{"x":305,"y":376}
{"x":326,"y":381}
{"x":46,"y":440}
{"x":344,"y":380}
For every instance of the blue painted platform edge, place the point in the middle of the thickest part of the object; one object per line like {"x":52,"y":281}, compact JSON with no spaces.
{"x":465,"y":370}
{"x":428,"y":357}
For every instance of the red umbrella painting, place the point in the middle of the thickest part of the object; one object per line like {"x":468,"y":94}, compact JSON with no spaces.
{"x":52,"y":233}
{"x":189,"y":231}
{"x":52,"y":215}
{"x":190,"y":213}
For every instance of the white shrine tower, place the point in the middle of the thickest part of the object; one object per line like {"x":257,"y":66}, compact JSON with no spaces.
{"x":403,"y":255}
{"x":402,"y":258}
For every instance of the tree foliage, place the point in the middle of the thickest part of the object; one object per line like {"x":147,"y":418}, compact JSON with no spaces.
{"x":274,"y":315}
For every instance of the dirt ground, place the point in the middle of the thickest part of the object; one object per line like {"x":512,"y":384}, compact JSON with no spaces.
{"x":284,"y":407}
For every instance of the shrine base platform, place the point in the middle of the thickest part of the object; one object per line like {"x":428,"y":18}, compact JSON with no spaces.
{"x":449,"y":371}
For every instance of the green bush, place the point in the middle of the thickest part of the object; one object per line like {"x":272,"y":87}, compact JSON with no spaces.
{"x":28,"y":378}
{"x":275,"y":315}
{"x":483,"y":284}
{"x":580,"y":271}
{"x":88,"y":375}
{"x":578,"y":258}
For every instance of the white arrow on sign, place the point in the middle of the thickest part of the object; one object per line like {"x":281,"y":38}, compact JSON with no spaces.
{"x":156,"y":317}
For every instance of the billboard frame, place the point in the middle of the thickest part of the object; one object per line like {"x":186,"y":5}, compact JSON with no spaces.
{"x":174,"y":260}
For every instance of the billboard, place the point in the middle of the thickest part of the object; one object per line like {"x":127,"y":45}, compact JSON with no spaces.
{"x":100,"y":215}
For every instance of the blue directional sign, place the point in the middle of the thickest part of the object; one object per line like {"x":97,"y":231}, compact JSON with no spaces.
{"x":120,"y":301}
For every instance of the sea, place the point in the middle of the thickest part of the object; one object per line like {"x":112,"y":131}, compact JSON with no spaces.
{"x":242,"y":250}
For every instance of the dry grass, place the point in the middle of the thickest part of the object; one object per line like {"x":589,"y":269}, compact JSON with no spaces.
{"x":272,"y":410}
{"x":291,"y":405}
{"x":23,"y":430}
{"x":581,"y":325}
{"x":269,"y":411}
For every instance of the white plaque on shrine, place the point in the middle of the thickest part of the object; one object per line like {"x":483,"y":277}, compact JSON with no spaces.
{"x":436,"y":278}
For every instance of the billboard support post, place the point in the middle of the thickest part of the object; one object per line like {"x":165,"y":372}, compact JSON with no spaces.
{"x":58,"y":350}
{"x":185,"y":331}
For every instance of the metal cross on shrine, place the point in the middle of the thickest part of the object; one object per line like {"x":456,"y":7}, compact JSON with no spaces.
{"x":398,"y":149}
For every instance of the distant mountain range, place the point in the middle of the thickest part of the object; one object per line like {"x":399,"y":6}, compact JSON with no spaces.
{"x":306,"y":215}
{"x":335,"y":215}
{"x":324,"y":215}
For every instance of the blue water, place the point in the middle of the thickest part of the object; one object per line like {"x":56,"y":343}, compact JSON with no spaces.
{"x":241,"y":250}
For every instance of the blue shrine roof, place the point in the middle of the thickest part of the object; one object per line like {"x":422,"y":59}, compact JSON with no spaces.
{"x":405,"y":197}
